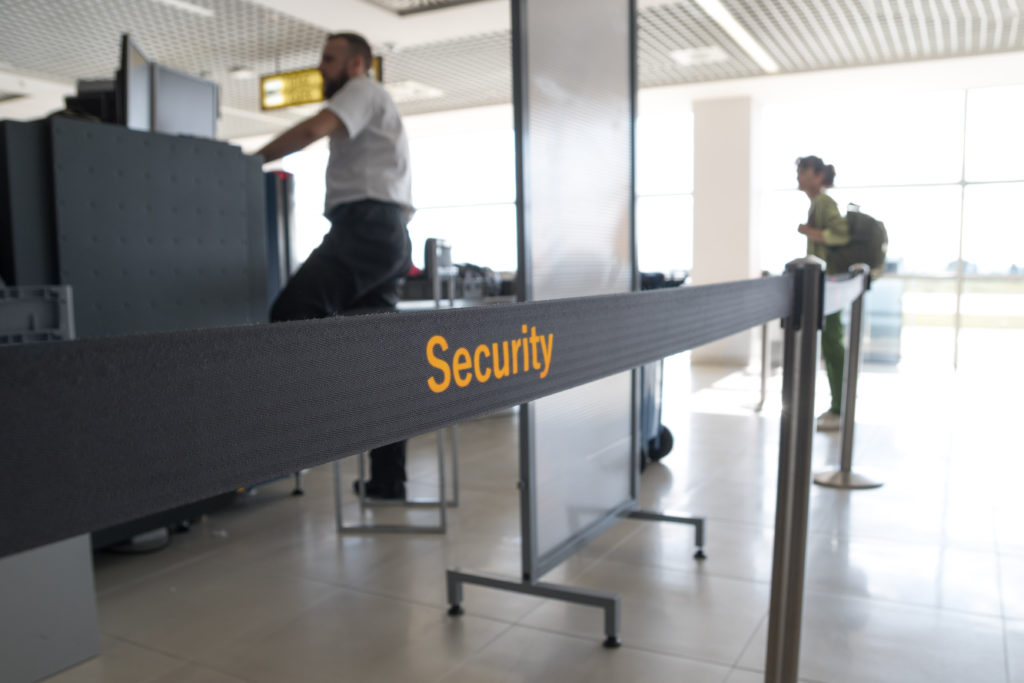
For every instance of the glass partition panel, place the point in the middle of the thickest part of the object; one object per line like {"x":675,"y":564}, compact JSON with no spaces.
{"x":575,"y":113}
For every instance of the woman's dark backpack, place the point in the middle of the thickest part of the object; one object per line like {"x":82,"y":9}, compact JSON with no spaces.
{"x":868,"y":244}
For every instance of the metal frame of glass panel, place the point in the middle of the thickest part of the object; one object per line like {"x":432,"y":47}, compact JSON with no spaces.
{"x":536,"y":563}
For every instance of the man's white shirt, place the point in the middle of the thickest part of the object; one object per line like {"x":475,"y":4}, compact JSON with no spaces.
{"x":373,"y":161}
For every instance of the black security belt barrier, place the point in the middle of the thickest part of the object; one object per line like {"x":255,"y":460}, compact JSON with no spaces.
{"x":98,"y":432}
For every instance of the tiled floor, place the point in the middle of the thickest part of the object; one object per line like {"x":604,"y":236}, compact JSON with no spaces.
{"x":920,"y":580}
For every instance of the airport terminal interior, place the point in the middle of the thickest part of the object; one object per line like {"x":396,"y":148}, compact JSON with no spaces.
{"x":917,"y":104}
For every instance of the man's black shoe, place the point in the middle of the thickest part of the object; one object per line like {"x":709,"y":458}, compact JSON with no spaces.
{"x":384,"y":490}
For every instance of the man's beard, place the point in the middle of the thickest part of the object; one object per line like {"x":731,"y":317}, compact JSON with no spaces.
{"x":331,"y":87}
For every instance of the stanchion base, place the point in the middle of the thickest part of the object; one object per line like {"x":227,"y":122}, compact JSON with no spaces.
{"x":845,"y":480}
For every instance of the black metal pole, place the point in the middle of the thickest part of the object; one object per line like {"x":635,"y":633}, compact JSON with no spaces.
{"x":796,"y":435}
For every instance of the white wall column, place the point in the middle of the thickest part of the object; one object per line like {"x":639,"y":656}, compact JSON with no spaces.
{"x":724,"y":245}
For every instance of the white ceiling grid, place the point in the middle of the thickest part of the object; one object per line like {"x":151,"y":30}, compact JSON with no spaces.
{"x":405,"y":7}
{"x":814,"y":34}
{"x":79,"y":39}
{"x":471,"y":72}
{"x":683,"y":26}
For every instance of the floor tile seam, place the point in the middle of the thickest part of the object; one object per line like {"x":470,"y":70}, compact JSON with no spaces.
{"x":699,"y":567}
{"x":275,"y":625}
{"x":286,"y":623}
{"x":999,"y":579}
{"x":744,"y":580}
{"x":902,"y":541}
{"x":599,"y":556}
{"x":942,"y":545}
{"x":624,"y":647}
{"x":750,"y":639}
{"x":1006,"y":653}
{"x":903,"y":603}
{"x":746,"y":669}
{"x":443,"y":608}
{"x":290,"y":576}
{"x":217,"y":669}
{"x":1006,"y":630}
{"x":134,"y":581}
{"x":464,"y":660}
{"x":824,"y":593}
{"x":909,"y":605}
{"x":183,"y":661}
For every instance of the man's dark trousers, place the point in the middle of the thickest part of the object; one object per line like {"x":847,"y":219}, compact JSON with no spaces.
{"x":356,"y":269}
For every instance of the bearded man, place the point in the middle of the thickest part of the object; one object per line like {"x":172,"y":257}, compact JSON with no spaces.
{"x":366,"y":253}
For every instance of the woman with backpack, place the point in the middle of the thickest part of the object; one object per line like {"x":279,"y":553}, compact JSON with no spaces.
{"x":825,"y":228}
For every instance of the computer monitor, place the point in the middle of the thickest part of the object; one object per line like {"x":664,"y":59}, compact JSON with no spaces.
{"x":184,"y":104}
{"x":134,"y":87}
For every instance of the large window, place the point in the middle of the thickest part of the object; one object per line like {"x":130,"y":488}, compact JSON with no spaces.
{"x":464,"y":189}
{"x":310,"y":225}
{"x":664,"y":187}
{"x":945,"y":171}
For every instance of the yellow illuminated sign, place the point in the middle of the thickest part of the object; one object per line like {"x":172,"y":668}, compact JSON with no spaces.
{"x":305,"y":86}
{"x":291,"y":88}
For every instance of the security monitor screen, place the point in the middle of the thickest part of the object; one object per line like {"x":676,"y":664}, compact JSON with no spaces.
{"x":137,"y":86}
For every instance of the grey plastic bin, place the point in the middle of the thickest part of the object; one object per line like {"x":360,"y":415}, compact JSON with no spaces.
{"x":36,"y":314}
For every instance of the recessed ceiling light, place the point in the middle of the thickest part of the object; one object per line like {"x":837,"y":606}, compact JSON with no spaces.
{"x":188,"y":7}
{"x":696,"y":56}
{"x":411,"y":91}
{"x":717,"y":11}
{"x":241,"y":73}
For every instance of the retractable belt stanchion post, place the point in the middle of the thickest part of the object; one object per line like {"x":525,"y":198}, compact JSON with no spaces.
{"x":845,"y":478}
{"x":791,"y":508}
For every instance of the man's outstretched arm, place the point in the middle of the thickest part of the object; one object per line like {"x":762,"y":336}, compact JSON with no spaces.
{"x":302,"y":134}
